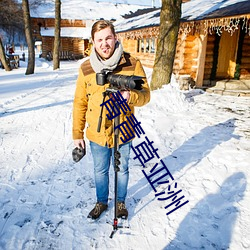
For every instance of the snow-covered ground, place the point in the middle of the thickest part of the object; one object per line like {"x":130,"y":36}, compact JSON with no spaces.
{"x":45,"y":197}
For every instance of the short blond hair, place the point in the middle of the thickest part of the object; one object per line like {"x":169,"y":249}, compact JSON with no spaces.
{"x":100,"y":25}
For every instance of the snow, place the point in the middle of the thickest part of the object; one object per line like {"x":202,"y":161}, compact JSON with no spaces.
{"x":86,"y":10}
{"x":192,"y":10}
{"x":197,"y":9}
{"x":145,"y":20}
{"x":155,"y":3}
{"x":202,"y":138}
{"x":84,"y":33}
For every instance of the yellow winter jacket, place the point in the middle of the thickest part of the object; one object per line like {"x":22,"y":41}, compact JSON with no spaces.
{"x":89,"y":97}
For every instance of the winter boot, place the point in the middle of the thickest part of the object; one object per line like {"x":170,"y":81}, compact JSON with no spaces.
{"x":122,"y":211}
{"x":97,"y":210}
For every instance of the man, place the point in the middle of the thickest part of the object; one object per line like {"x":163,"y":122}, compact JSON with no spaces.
{"x":107,"y":54}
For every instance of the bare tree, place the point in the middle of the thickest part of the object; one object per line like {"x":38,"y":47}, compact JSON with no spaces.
{"x":56,"y":59}
{"x":28,"y":33}
{"x":11,"y":24}
{"x":11,"y":17}
{"x":36,"y":3}
{"x":3,"y":57}
{"x":168,"y":34}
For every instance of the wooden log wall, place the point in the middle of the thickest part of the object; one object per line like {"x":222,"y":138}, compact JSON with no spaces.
{"x":50,"y":22}
{"x":66,"y":44}
{"x":209,"y":58}
{"x":186,"y":55}
{"x":245,"y":60}
{"x":73,"y":45}
{"x":178,"y":61}
{"x":131,"y":46}
{"x":185,"y":59}
{"x":146,"y":59}
{"x":79,"y":46}
{"x":190,"y":56}
{"x":47,"y":45}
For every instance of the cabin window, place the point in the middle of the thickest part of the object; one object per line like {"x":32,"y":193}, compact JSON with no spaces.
{"x":152,"y":45}
{"x":140,"y":45}
{"x":146,"y":45}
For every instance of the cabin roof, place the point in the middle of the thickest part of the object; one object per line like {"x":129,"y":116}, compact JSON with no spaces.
{"x":140,"y":21}
{"x":193,"y":10}
{"x":77,"y":32}
{"x":84,"y":10}
{"x":208,"y":9}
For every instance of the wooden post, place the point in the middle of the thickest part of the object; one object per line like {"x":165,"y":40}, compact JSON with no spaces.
{"x":201,"y":60}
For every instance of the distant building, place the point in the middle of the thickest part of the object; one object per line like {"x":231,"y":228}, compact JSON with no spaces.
{"x":77,"y":19}
{"x":75,"y":36}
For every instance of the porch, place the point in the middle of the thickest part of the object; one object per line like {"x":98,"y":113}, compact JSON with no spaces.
{"x":231,"y":87}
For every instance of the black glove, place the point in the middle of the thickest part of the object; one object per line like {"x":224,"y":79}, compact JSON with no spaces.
{"x":78,"y":153}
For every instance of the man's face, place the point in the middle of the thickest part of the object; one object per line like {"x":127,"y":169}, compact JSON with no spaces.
{"x":104,"y":42}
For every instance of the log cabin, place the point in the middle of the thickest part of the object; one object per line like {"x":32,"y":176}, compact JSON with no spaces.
{"x":213,"y":41}
{"x":74,"y":37}
{"x":77,"y":19}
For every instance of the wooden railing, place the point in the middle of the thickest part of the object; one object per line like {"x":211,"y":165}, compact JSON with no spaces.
{"x":64,"y":55}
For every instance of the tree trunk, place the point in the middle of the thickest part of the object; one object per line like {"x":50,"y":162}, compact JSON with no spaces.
{"x":28,"y":33}
{"x":56,"y":59}
{"x":3,"y":57}
{"x":168,"y":34}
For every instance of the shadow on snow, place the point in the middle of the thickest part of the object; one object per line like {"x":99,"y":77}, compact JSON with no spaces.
{"x":187,"y":156}
{"x":209,"y":225}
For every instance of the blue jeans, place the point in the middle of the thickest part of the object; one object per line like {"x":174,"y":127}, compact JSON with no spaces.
{"x":102,"y":157}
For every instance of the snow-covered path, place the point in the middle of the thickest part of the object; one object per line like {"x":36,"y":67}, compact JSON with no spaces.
{"x":45,"y":197}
